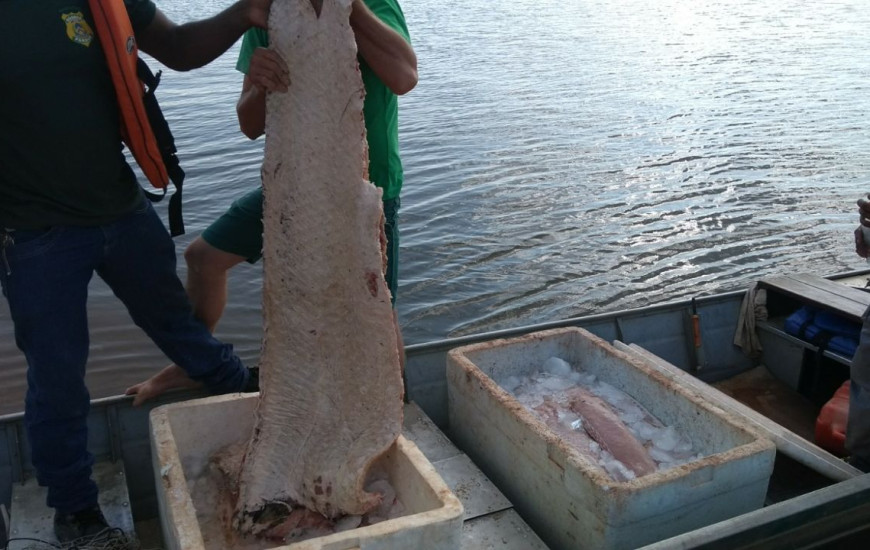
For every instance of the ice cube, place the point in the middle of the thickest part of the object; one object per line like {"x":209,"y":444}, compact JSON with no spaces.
{"x":557,"y":367}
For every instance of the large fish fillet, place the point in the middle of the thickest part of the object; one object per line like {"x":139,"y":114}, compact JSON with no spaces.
{"x":604,"y":426}
{"x":331,"y":385}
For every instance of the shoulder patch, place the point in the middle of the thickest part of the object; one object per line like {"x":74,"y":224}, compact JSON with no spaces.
{"x":77,"y":29}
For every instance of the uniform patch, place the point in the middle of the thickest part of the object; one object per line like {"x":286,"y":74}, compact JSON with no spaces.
{"x":77,"y":29}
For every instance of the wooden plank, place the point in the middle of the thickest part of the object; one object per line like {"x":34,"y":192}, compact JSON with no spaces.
{"x":818,"y":284}
{"x":820,"y":292}
{"x":787,"y":442}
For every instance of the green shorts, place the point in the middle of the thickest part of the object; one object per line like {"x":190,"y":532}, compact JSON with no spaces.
{"x":239,"y":231}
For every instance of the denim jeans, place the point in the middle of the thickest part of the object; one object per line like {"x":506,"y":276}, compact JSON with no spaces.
{"x":45,"y":278}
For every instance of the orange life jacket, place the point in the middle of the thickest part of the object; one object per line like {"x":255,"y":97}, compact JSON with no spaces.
{"x":140,"y":114}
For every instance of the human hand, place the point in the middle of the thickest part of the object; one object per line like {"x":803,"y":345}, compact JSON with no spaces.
{"x":268,"y":72}
{"x":862,"y":243}
{"x":258,"y":12}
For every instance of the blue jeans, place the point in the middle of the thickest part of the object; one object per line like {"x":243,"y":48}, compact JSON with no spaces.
{"x":45,"y":279}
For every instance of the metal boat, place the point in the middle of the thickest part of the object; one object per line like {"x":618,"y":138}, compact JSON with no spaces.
{"x":814,"y":499}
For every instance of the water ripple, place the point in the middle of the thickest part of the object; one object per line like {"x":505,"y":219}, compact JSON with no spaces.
{"x":564,"y":158}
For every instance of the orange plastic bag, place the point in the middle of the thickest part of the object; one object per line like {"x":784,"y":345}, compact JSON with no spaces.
{"x":831,"y":422}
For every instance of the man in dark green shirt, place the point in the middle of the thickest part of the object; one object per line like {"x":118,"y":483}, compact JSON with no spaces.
{"x":70,"y":206}
{"x":389,"y":68}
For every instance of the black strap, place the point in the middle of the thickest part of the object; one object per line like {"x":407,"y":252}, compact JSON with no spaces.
{"x":822,"y":340}
{"x":166,"y":144}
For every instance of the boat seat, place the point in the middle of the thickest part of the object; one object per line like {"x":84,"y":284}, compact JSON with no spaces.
{"x":800,"y":363}
{"x":785,"y":293}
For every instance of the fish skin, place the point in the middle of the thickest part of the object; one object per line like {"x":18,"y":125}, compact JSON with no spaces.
{"x":331,"y":384}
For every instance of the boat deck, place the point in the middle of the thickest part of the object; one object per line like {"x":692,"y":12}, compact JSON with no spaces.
{"x":759,"y":390}
{"x":812,"y":497}
{"x":490,"y":520}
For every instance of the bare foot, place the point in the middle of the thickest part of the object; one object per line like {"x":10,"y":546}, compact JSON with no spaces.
{"x":170,"y":378}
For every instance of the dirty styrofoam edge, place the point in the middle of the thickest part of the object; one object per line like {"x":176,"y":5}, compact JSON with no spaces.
{"x":450,"y":504}
{"x":181,"y":519}
{"x":170,"y":480}
{"x":198,"y":402}
{"x":451,"y":507}
{"x":757,"y":443}
{"x":571,"y":455}
{"x":564,"y":454}
{"x":638,"y":363}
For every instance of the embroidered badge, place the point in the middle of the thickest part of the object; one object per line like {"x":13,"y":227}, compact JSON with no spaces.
{"x":77,"y":29}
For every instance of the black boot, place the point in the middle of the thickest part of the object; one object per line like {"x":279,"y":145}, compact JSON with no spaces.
{"x":89,"y":522}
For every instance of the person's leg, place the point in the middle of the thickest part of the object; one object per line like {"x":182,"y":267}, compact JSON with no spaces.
{"x":391,"y":230}
{"x":46,"y":287}
{"x":234,"y":237}
{"x":858,"y":426}
{"x":207,"y":289}
{"x":139,"y":265}
{"x":207,"y":268}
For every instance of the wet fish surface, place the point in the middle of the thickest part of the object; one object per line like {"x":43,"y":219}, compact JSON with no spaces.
{"x":331,"y":382}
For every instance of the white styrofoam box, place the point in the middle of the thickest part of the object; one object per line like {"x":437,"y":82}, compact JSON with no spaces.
{"x":185,"y":435}
{"x":571,"y":502}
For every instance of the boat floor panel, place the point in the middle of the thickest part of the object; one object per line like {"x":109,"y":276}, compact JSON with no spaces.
{"x":431,"y":441}
{"x":791,"y":479}
{"x":490,"y":520}
{"x":479,"y":496}
{"x":759,"y":390}
{"x":503,"y":530}
{"x":31,"y":520}
{"x":150,"y":534}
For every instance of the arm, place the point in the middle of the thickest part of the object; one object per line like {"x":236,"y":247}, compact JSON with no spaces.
{"x":267,"y":73}
{"x":251,"y":109}
{"x":387,"y":52}
{"x":862,"y":245}
{"x":194,"y":44}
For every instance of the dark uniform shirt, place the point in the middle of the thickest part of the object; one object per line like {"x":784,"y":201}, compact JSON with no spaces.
{"x":61,"y":161}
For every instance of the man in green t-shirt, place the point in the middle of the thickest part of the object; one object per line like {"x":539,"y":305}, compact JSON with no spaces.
{"x":389,"y":68}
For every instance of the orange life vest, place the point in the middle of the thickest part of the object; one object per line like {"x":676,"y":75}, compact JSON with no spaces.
{"x":140,"y":114}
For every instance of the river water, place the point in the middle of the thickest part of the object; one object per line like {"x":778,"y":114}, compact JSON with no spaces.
{"x":562,"y":157}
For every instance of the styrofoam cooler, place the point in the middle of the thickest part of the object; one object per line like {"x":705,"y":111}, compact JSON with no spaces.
{"x":569,"y":501}
{"x":185,"y":435}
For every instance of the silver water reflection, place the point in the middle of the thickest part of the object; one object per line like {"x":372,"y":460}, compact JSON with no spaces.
{"x":564,"y":157}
